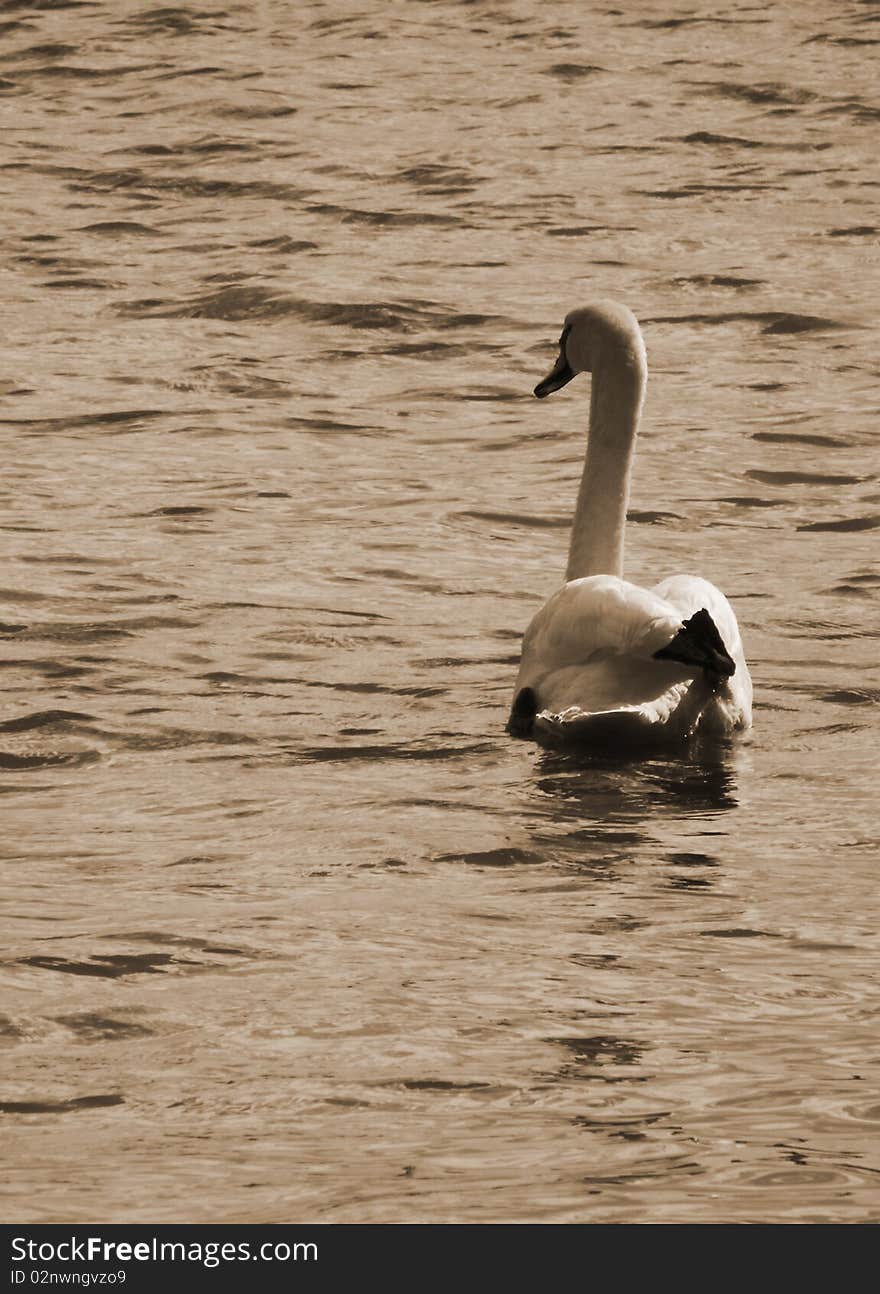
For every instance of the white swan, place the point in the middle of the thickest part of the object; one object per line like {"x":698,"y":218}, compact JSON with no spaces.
{"x":605,"y":659}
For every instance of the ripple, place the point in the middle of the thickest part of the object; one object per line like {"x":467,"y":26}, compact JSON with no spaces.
{"x":118,"y":419}
{"x":185,"y":186}
{"x":61,"y":1107}
{"x":748,"y":501}
{"x":695,"y":188}
{"x":434,"y":178}
{"x":48,"y":759}
{"x":442,"y":1085}
{"x":773,"y":92}
{"x":798,"y":438}
{"x":685,"y":859}
{"x":380,"y":219}
{"x":709,"y":137}
{"x":121,"y":229}
{"x":171,"y":20}
{"x":108,"y":967}
{"x":798,"y":323}
{"x":739,"y":932}
{"x":852,"y":696}
{"x":651,"y":517}
{"x":854,"y":231}
{"x":256,"y":302}
{"x":795,"y":1179}
{"x":721,"y":281}
{"x":846,"y":524}
{"x":589,"y":1056}
{"x":91,"y":1026}
{"x":572,"y":72}
{"x":802,"y":478}
{"x":517,"y":519}
{"x":505,"y":857}
{"x":256,"y":111}
{"x":774,"y":321}
{"x":345,"y":754}
{"x":284,"y":243}
{"x":854,"y":108}
{"x":44,"y":719}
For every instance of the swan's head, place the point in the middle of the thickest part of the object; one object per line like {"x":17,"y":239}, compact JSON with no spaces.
{"x":593,"y":337}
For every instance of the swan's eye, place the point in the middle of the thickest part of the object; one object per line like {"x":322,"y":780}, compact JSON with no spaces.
{"x":564,"y":338}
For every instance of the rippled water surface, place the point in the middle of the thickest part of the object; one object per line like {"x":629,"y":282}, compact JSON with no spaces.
{"x":295,"y":931}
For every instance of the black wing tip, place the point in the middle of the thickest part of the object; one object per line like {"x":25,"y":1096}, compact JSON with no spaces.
{"x":699,"y":643}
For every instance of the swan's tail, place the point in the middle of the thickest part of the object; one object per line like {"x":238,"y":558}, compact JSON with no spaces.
{"x":522,"y":713}
{"x":674,"y":717}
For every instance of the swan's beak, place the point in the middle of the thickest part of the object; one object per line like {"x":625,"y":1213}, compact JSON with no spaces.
{"x":698,"y":643}
{"x":562,"y":373}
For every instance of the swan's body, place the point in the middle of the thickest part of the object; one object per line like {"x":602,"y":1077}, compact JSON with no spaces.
{"x":605,"y":659}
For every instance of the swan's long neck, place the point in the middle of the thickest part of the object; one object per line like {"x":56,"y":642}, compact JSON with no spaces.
{"x":618,"y":391}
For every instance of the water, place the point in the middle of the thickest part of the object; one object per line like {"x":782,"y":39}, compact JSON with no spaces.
{"x":295,"y":931}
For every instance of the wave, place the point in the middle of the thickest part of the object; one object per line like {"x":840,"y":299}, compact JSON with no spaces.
{"x":81,"y":180}
{"x":852,"y":696}
{"x":774,"y":321}
{"x":573,"y":72}
{"x":694,"y":189}
{"x":864,"y":112}
{"x":391,"y":751}
{"x":802,"y":478}
{"x":358,"y":216}
{"x":60,"y":1107}
{"x":845,"y":524}
{"x":708,"y":137}
{"x":124,"y":419}
{"x":121,"y":229}
{"x":437,"y":180}
{"x":45,"y":719}
{"x":283,"y":243}
{"x":102,"y":967}
{"x":510,"y":856}
{"x":73,"y":72}
{"x":773,"y":92}
{"x":13,"y":763}
{"x":651,"y":517}
{"x":854,"y":231}
{"x":255,"y":111}
{"x":517,"y":519}
{"x":749,"y":501}
{"x":582,"y":231}
{"x":239,"y":302}
{"x":798,"y":438}
{"x":92,"y":1026}
{"x":717,"y":281}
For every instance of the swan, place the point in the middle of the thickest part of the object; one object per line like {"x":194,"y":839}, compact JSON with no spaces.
{"x":605,"y":660}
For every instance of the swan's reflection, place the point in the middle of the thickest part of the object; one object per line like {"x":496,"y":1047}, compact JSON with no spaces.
{"x":610,"y":817}
{"x":615,"y":787}
{"x":600,"y":811}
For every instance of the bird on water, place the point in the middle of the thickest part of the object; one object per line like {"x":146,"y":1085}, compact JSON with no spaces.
{"x":604,"y":659}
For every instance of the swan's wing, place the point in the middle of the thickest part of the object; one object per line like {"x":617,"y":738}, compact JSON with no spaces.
{"x":732,"y":706}
{"x":594,"y":618}
{"x":588,"y":666}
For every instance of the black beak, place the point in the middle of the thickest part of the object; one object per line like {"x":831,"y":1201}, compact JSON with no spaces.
{"x":562,"y":373}
{"x":698,"y":643}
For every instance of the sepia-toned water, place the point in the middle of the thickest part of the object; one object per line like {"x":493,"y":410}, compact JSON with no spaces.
{"x":295,"y":931}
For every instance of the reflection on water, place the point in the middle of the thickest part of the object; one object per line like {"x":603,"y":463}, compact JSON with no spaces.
{"x":295,"y":930}
{"x":606,"y":790}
